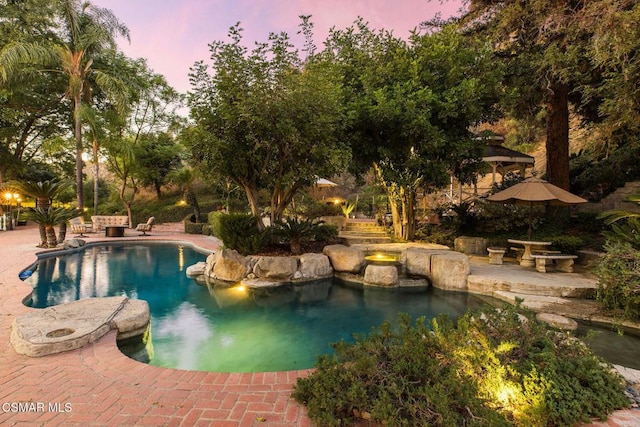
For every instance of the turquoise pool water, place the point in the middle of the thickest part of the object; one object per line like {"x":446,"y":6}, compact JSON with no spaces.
{"x":222,"y":328}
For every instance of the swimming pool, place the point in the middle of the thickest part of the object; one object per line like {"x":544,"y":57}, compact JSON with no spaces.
{"x":228,"y":328}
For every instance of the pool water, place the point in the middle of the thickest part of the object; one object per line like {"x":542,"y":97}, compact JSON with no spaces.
{"x":223,"y":328}
{"x":230,"y":328}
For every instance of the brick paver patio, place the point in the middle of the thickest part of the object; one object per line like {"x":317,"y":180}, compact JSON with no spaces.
{"x":98,"y":385}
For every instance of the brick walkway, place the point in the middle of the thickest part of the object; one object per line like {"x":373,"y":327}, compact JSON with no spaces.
{"x":98,"y":385}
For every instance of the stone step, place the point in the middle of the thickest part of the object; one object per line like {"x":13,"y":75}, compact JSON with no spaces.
{"x":530,"y":282}
{"x":358,"y":240}
{"x":362,"y":233}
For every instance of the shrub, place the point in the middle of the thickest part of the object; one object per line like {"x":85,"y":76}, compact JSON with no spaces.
{"x":191,"y":226}
{"x":325,"y":233}
{"x":618,"y":273}
{"x":240,"y":232}
{"x":567,"y":244}
{"x":492,"y":369}
{"x":294,"y":231}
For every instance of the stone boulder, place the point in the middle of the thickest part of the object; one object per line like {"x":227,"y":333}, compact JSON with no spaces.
{"x":381,"y":275}
{"x":419,"y":262}
{"x":449,"y":270}
{"x":275,"y":268}
{"x":471,"y":245}
{"x":73,"y":243}
{"x":315,"y":266}
{"x":345,"y":258}
{"x":196,"y":269}
{"x":227,"y":265}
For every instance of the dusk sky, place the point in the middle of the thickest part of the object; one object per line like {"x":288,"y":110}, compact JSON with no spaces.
{"x":173,"y":34}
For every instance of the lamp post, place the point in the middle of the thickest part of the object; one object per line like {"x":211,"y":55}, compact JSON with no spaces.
{"x":9,"y":198}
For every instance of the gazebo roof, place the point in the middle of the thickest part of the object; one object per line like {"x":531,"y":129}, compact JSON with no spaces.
{"x":499,"y":154}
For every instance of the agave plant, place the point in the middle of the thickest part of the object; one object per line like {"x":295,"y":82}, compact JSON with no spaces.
{"x":625,"y":225}
{"x":47,"y":219}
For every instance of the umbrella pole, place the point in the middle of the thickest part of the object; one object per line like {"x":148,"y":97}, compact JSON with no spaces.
{"x":530,"y":218}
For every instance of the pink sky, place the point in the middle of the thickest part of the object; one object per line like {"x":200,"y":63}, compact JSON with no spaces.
{"x":173,"y":34}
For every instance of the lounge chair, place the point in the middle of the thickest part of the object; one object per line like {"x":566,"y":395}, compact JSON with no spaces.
{"x":79,"y":227}
{"x":144,"y":227}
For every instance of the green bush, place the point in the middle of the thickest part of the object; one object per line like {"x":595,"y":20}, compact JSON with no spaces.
{"x":214,"y":221}
{"x":191,"y":226}
{"x":325,"y":233}
{"x":566,"y":244}
{"x":491,"y":369}
{"x":618,"y":273}
{"x":240,"y":232}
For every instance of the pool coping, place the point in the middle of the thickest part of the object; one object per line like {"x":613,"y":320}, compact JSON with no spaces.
{"x":98,"y":385}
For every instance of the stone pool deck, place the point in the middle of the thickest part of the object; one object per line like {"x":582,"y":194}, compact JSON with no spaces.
{"x":98,"y":385}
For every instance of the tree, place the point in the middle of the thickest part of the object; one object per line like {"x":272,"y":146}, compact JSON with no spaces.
{"x":31,"y":107}
{"x":45,"y":192}
{"x":130,"y":133}
{"x":554,"y":52}
{"x":156,"y":156}
{"x":87,"y":32}
{"x":47,"y":219}
{"x":270,"y":121}
{"x":410,"y":106}
{"x":185,"y":178}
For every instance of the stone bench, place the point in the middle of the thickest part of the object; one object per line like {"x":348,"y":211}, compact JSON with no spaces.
{"x":496,"y":254}
{"x":539,"y":251}
{"x":102,"y":221}
{"x":562,"y":262}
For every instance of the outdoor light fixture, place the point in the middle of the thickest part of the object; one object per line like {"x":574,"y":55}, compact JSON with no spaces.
{"x":10,"y":198}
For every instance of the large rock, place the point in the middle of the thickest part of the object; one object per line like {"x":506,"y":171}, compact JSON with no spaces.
{"x":471,"y":245}
{"x":78,"y":323}
{"x":344,"y":258}
{"x":381,"y":275}
{"x":419,"y":262}
{"x":315,"y":266}
{"x":449,"y":270}
{"x":196,"y":269}
{"x":227,"y":265}
{"x":275,"y":268}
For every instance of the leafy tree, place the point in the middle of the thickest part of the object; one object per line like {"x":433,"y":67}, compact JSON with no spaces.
{"x":269,"y":121}
{"x":185,"y":178}
{"x":410,"y":106}
{"x":31,"y":107}
{"x":87,"y":31}
{"x":156,"y":156}
{"x":565,"y":53}
{"x":131,"y":133}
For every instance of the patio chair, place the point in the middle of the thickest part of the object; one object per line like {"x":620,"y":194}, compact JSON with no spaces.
{"x":144,"y":227}
{"x":79,"y":227}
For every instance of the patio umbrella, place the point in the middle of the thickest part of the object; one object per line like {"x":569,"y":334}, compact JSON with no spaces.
{"x":536,"y":191}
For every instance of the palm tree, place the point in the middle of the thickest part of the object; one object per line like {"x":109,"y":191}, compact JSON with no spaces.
{"x":88,"y":31}
{"x":47,"y":219}
{"x":44,"y":192}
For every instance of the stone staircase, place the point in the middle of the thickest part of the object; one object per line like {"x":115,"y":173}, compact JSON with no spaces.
{"x":364,"y":231}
